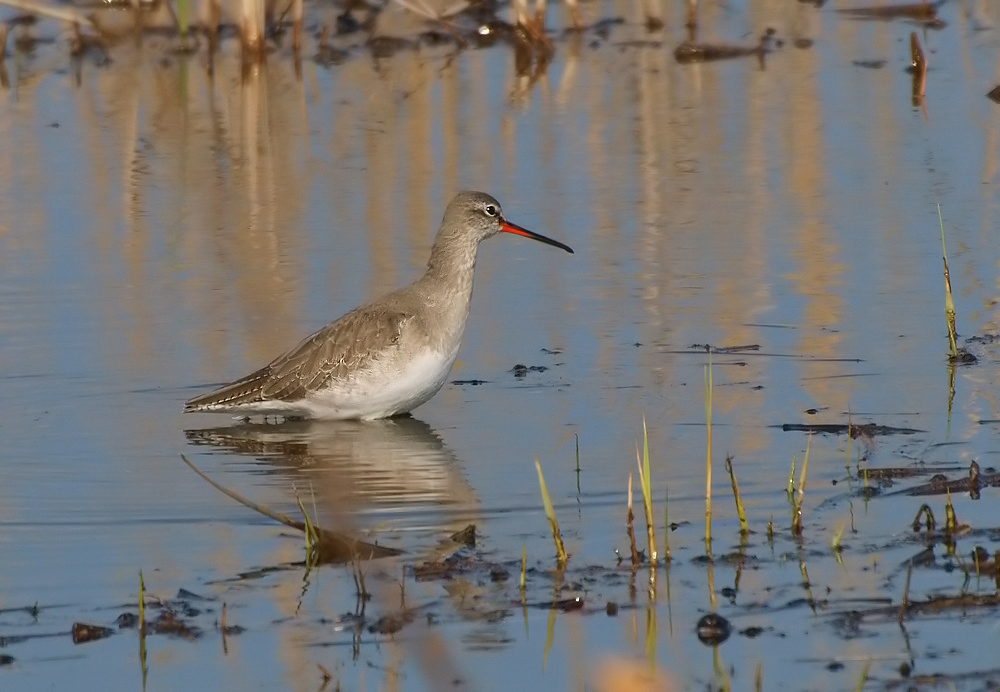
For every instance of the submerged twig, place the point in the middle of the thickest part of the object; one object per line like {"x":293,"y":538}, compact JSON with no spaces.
{"x":329,"y":546}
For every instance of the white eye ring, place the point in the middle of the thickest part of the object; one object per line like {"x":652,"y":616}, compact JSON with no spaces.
{"x":490,"y":210}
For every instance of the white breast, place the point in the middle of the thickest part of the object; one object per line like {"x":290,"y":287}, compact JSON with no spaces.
{"x":389,"y":388}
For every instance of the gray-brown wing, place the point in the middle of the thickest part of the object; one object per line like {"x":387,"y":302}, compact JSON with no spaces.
{"x":337,"y":351}
{"x":341,"y":348}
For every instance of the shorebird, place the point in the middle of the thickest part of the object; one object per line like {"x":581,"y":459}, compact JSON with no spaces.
{"x":388,"y":356}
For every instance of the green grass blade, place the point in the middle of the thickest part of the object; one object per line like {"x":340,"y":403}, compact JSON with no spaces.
{"x":550,"y":514}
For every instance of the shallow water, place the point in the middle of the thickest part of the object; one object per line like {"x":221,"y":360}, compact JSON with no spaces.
{"x":162,"y":231}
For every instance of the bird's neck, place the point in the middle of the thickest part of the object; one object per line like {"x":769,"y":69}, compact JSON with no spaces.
{"x":452,"y":265}
{"x":446,"y":289}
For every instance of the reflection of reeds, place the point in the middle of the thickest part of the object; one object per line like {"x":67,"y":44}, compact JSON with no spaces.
{"x":251,"y":25}
{"x":577,"y":463}
{"x":864,"y":677}
{"x":906,"y":594}
{"x":666,"y":528}
{"x":142,"y":629}
{"x":708,"y":456}
{"x":847,"y":461}
{"x":65,"y":14}
{"x":524,"y":566}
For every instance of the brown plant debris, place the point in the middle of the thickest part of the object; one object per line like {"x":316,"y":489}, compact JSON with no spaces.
{"x":83,"y":633}
{"x":693,"y":51}
{"x":857,"y":431}
{"x":924,"y":13}
{"x":972,"y":483}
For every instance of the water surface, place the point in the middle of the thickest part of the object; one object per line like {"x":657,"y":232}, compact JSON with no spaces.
{"x":164,"y":229}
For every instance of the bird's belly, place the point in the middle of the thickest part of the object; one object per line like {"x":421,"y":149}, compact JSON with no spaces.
{"x":386,"y":390}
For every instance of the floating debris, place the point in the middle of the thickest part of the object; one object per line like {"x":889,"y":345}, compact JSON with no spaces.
{"x":693,"y":51}
{"x":924,"y":13}
{"x":713,"y":629}
{"x":83,"y":633}
{"x":520,"y":370}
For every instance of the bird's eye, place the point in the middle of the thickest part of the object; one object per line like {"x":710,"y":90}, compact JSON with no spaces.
{"x":491,"y":210}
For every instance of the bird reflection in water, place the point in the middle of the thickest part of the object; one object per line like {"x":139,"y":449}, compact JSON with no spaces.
{"x":393,"y":475}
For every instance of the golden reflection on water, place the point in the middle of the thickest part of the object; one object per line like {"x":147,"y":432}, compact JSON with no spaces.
{"x":397,"y":466}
